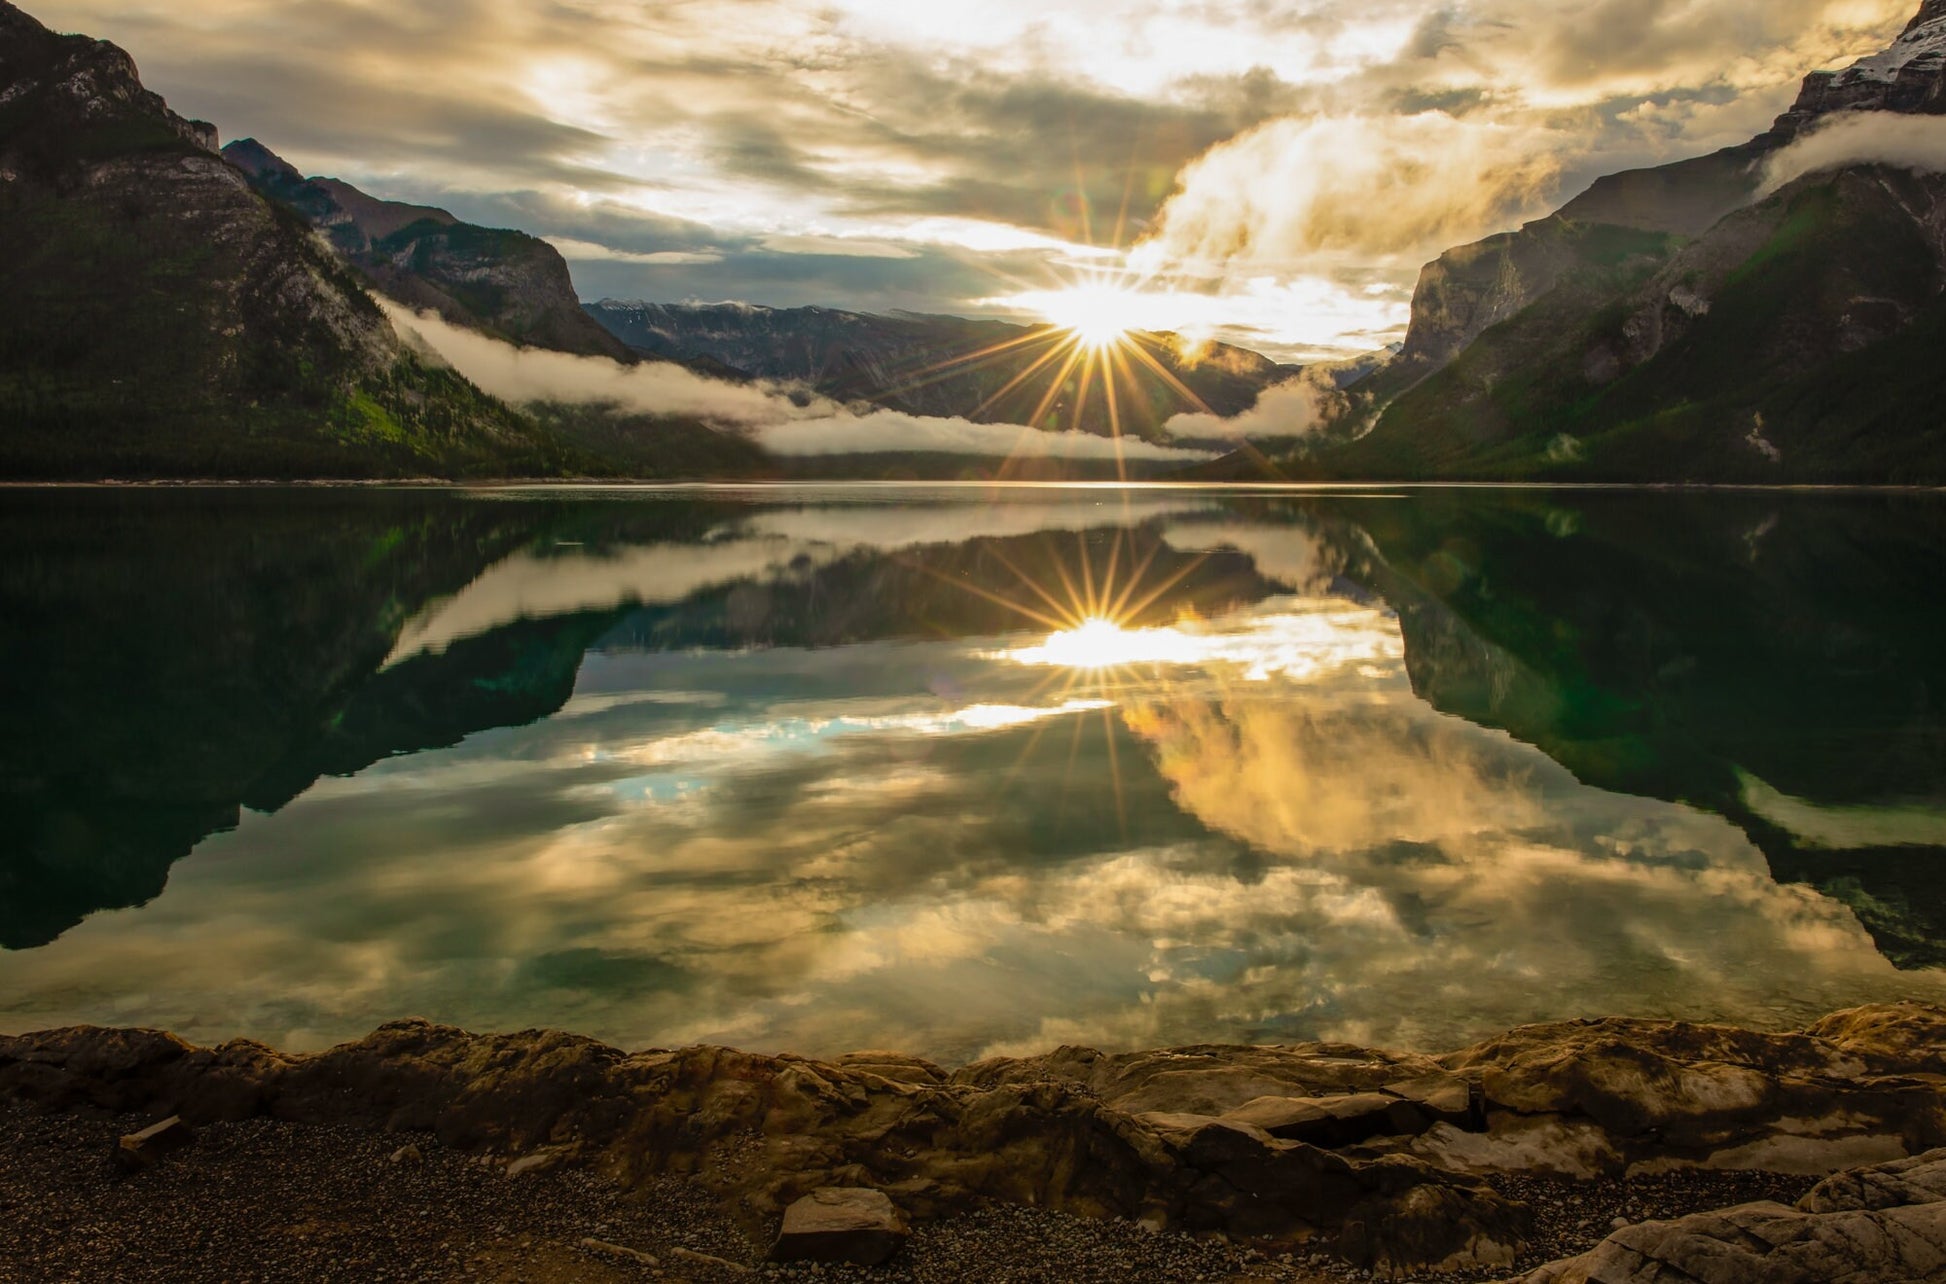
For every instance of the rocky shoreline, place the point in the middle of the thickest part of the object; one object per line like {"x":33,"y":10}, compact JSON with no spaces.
{"x":426,"y":1152}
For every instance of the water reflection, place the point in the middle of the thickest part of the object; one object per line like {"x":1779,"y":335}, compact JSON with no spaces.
{"x":823,"y":776}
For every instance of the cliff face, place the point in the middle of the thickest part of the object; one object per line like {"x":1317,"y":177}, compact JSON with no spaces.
{"x":1670,"y":325}
{"x":69,"y":84}
{"x":1472,"y":288}
{"x":163,"y":318}
{"x":504,"y":283}
{"x":1469,"y":290}
{"x":1908,"y":77}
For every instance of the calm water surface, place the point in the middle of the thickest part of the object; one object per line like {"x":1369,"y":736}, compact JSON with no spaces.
{"x":965,"y":771}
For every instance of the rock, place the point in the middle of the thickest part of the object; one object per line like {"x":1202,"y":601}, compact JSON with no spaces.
{"x":1445,"y":1098}
{"x":1852,"y":1089}
{"x":1884,"y":1223}
{"x":144,"y":1149}
{"x":894,"y":1066}
{"x":622,"y":1251}
{"x":1767,"y":1244}
{"x":840,"y":1225}
{"x":1165,"y":1138}
{"x":710,"y":1259}
{"x":1332,"y":1122}
{"x":1287,"y":1117}
{"x":1919,"y":1180}
{"x":1441,"y":1228}
{"x":537,"y":1162}
{"x":408,"y":1155}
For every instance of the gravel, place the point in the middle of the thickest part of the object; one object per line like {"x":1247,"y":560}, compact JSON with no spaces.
{"x":268,"y":1201}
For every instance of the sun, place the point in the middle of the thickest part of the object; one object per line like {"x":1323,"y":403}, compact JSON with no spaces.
{"x":1098,"y":316}
{"x":1100,"y":643}
{"x":1094,"y":354}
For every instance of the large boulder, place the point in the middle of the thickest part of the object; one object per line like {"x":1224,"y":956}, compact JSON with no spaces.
{"x":840,"y":1224}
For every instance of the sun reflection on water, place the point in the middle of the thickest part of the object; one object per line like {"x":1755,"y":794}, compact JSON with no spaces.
{"x":1292,"y":638}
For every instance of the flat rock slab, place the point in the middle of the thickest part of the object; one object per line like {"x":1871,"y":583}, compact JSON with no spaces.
{"x":1331,"y":1122}
{"x":840,"y":1224}
{"x":1444,"y":1099}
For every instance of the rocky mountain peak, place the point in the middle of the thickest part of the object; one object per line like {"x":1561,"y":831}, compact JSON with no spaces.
{"x":1930,"y":12}
{"x":1908,"y":76}
{"x":259,"y":162}
{"x":73,"y":83}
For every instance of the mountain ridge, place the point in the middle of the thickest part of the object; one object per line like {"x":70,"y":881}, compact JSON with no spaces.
{"x":501,"y":282}
{"x":1683,"y":323}
{"x":165,"y":320}
{"x":981,"y":369}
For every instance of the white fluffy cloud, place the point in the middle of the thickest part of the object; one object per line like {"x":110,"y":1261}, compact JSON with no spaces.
{"x":1862,"y":138}
{"x":784,"y":421}
{"x":847,"y":433}
{"x":1294,"y":191}
{"x":1294,"y":408}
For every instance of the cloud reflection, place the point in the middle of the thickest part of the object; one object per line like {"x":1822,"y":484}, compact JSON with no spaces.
{"x":1255,"y":831}
{"x":534,"y":584}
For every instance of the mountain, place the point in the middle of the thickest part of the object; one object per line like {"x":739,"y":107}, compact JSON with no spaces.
{"x":1683,"y":323}
{"x":504,"y":283}
{"x":162,"y":318}
{"x":952,"y":367}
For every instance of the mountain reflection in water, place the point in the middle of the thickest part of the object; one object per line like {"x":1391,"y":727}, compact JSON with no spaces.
{"x":967,"y":771}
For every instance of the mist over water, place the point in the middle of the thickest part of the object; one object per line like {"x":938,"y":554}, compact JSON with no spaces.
{"x":968,"y":771}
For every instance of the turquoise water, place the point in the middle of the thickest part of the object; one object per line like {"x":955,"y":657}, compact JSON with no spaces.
{"x":963,"y":770}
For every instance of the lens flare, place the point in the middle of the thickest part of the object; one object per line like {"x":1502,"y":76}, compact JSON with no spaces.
{"x":1103,"y":644}
{"x":1098,"y":316}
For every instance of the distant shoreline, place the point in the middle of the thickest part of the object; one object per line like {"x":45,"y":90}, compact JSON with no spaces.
{"x":920,"y":484}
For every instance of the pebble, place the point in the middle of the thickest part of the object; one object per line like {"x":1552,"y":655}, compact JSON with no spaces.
{"x":270,"y":1202}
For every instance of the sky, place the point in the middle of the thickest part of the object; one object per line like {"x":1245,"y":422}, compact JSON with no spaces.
{"x":1273,"y":172}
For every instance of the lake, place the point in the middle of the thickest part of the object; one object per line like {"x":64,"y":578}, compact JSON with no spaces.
{"x":967,"y":770}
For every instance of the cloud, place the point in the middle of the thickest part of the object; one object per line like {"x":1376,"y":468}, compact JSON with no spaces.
{"x":785,"y":421}
{"x":846,"y":433}
{"x":522,"y":375}
{"x":578,"y":251}
{"x":1861,"y":138}
{"x":1294,"y":408}
{"x":868,"y":845}
{"x":1283,"y":195}
{"x":986,"y":131}
{"x":842,"y":247}
{"x":1288,"y":555}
